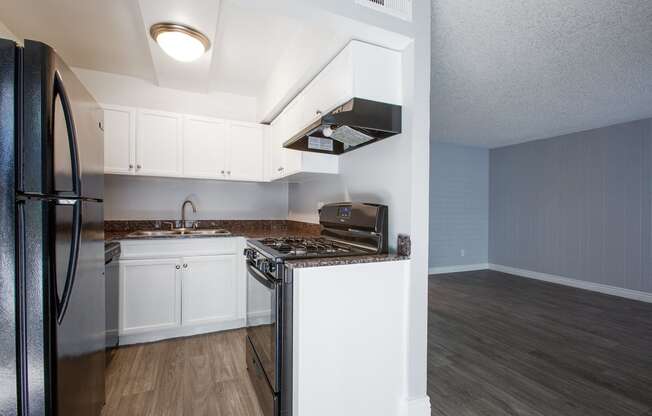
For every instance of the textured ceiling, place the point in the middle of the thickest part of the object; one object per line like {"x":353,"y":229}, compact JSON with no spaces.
{"x":509,"y":71}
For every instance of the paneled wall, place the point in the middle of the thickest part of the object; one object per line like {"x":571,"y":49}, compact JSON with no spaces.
{"x":577,"y":206}
{"x":459,"y":205}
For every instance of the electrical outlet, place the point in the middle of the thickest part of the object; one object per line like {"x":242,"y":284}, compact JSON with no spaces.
{"x":462,"y":253}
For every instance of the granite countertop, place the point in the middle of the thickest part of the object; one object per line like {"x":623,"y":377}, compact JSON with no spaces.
{"x":339,"y":261}
{"x":120,"y":230}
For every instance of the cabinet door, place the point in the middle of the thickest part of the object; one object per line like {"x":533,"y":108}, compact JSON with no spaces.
{"x":276,"y":148}
{"x":150,"y":294}
{"x":204,"y":148}
{"x":246,"y":152}
{"x":209,"y":287}
{"x":333,"y":87}
{"x":119,"y":140}
{"x":159,"y":146}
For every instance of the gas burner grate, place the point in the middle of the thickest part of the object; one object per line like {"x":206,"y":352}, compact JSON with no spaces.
{"x":297,"y":246}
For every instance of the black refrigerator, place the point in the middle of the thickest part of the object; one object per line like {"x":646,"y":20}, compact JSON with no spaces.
{"x":52,"y":321}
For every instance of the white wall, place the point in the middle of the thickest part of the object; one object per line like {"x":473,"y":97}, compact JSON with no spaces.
{"x":139,"y":197}
{"x":123,"y":90}
{"x":135,"y":198}
{"x":5,"y":33}
{"x":369,"y":174}
{"x":393,"y":172}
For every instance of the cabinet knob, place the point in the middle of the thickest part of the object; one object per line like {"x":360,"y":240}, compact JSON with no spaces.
{"x":228,"y":172}
{"x":177,"y":267}
{"x":185,"y":266}
{"x":131,"y":166}
{"x":222,"y":172}
{"x":318,"y":113}
{"x":139,"y":166}
{"x":279,"y":169}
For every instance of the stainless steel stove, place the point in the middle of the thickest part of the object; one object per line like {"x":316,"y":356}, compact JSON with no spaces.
{"x":347,"y":229}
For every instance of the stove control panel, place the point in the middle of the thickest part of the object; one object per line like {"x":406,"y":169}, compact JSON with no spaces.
{"x":261,"y":263}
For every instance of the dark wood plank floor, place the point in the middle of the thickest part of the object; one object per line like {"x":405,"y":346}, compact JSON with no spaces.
{"x":197,"y":376}
{"x":497,"y":345}
{"x":505,"y":345}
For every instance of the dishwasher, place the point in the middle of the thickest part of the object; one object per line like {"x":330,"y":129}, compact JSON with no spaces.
{"x":112,"y":286}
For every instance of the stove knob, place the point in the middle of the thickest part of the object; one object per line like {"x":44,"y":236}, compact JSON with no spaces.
{"x":267,"y":266}
{"x":250,"y":254}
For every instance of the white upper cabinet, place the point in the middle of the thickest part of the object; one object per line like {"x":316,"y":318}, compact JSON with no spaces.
{"x":204,"y":148}
{"x":246,"y":152}
{"x":360,"y":70}
{"x":158,"y":144}
{"x":119,"y":139}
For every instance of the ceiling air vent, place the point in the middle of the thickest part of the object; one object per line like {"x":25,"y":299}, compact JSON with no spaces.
{"x":397,"y":8}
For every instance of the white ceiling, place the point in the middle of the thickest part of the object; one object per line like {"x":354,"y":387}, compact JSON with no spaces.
{"x":94,"y":34}
{"x":508,"y":71}
{"x":112,"y":36}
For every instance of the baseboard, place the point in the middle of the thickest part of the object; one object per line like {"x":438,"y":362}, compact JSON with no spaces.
{"x":457,"y":269}
{"x":153,"y":336}
{"x":580,"y":284}
{"x":416,"y":407}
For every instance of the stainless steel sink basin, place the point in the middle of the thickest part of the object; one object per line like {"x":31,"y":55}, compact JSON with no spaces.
{"x":180,"y":232}
{"x":205,"y":232}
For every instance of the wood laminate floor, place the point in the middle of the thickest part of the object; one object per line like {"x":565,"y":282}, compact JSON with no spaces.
{"x":497,"y":345}
{"x":505,"y":345}
{"x":196,"y":376}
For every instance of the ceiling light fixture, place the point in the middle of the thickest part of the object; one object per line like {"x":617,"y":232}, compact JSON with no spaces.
{"x":182,"y":43}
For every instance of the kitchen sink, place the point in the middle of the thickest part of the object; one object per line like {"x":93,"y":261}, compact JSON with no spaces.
{"x":180,"y":232}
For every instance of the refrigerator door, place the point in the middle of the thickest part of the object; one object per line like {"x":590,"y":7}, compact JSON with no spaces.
{"x":79,"y":296}
{"x":60,"y":272}
{"x":62,"y":144}
{"x":9,"y":354}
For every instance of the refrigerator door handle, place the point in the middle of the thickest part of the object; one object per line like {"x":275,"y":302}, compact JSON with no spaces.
{"x":62,"y":304}
{"x":60,"y":91}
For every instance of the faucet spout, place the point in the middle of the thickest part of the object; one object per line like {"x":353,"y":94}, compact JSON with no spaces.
{"x":183,"y":211}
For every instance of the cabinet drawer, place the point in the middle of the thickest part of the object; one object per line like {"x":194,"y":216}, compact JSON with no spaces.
{"x":150,"y":249}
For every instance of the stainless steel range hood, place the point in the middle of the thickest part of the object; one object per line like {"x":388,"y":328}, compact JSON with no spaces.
{"x":356,"y":123}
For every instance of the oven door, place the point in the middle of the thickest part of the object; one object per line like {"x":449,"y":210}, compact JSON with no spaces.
{"x":263,"y":301}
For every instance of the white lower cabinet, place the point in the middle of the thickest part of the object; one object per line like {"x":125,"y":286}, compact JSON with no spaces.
{"x":208,"y":284}
{"x":149,"y":291}
{"x":173,"y":288}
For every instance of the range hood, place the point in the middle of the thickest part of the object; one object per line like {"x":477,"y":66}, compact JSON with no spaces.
{"x":352,"y":125}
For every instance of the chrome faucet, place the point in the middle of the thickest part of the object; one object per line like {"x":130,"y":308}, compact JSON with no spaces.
{"x":183,"y":212}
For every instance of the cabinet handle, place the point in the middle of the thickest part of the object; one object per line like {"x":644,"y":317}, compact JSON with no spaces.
{"x":185,"y":266}
{"x":177,"y":267}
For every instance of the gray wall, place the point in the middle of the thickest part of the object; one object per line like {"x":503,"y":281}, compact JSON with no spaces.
{"x":142,"y":197}
{"x":577,"y":206}
{"x":459,"y":205}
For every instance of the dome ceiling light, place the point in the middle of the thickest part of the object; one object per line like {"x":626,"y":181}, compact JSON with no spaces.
{"x":181,"y":42}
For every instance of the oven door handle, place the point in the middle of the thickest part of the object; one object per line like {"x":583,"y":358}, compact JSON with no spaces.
{"x":260,"y":276}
